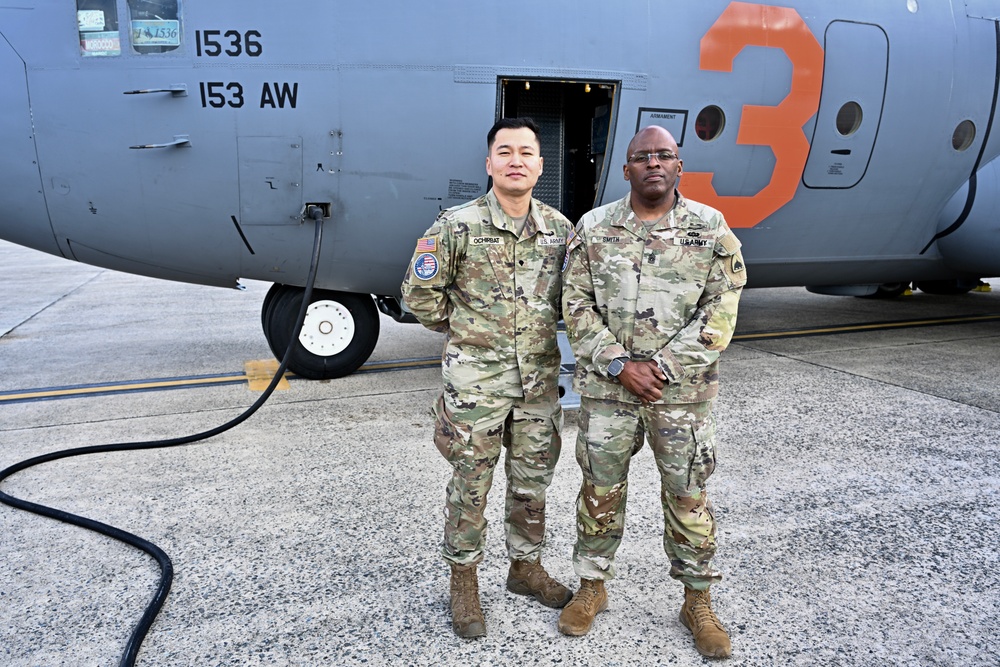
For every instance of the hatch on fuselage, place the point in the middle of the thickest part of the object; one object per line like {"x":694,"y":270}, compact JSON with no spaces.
{"x":576,"y":123}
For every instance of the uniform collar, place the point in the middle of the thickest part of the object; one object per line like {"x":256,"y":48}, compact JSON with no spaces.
{"x":535,"y":222}
{"x":626,"y":218}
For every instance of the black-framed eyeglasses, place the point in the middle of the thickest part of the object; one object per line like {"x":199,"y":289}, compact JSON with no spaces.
{"x":643,"y":158}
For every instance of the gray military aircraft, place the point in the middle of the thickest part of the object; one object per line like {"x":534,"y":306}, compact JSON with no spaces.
{"x":849,"y":144}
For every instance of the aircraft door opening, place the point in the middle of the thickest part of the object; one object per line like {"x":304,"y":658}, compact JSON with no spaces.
{"x":575,"y":119}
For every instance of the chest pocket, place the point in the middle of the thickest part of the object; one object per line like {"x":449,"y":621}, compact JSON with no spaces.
{"x":543,"y":265}
{"x":484,"y":275}
{"x":678,"y":256}
{"x":615,"y":264}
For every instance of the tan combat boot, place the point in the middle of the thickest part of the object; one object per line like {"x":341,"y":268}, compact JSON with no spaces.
{"x":466,"y":615}
{"x":577,"y":617}
{"x":525,"y":578}
{"x":710,"y":638}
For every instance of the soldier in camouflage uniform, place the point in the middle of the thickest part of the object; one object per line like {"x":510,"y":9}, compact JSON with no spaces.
{"x":487,"y":273}
{"x":650,"y":292}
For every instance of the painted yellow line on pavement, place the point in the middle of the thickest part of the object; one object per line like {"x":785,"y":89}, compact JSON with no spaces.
{"x":114,"y":388}
{"x":433,"y":362}
{"x":257,"y":376}
{"x":874,"y":326}
{"x":259,"y":373}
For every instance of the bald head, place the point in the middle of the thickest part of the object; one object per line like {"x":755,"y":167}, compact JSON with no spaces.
{"x":652,"y":168}
{"x":655,"y":134}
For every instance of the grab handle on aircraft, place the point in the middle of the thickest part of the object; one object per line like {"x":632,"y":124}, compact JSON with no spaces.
{"x":177,"y":90}
{"x":179,"y":140}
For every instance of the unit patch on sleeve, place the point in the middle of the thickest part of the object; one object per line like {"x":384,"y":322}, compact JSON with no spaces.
{"x":425,"y":266}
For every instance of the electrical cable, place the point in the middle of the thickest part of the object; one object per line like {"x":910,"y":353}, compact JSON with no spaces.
{"x":166,"y":566}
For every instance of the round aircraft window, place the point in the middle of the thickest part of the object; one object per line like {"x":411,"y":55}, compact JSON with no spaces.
{"x":849,"y":118}
{"x":709,"y":123}
{"x":964,"y":135}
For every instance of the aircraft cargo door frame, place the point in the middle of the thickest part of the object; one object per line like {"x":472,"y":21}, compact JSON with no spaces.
{"x":850,"y":108}
{"x":577,"y":131}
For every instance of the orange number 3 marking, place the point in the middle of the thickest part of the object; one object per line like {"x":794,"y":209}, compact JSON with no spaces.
{"x":741,"y":25}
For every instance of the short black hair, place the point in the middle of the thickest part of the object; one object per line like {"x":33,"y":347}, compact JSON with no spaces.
{"x":513,"y":124}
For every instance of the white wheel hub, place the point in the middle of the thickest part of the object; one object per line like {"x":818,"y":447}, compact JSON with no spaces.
{"x":328,"y":328}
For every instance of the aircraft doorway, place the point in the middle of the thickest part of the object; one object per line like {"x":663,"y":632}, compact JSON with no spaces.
{"x":575,"y":119}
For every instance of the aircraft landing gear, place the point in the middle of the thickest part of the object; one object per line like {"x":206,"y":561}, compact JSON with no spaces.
{"x":338,"y":335}
{"x":888,"y":291}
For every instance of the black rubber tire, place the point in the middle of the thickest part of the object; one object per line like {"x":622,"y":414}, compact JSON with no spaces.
{"x":268,"y":301}
{"x":279,"y":312}
{"x":888,"y":291}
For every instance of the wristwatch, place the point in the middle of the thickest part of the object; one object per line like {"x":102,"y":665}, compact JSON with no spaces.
{"x":616,"y":366}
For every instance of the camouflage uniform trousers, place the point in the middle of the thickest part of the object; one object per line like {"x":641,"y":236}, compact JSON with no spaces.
{"x":682,"y":437}
{"x":469,"y":432}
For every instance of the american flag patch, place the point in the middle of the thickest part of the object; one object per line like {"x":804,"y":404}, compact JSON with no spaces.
{"x":427,"y":244}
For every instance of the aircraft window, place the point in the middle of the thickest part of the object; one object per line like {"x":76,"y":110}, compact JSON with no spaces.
{"x":97,"y":21}
{"x":964,"y":135}
{"x":849,"y":118}
{"x":155,"y":25}
{"x":709,"y":123}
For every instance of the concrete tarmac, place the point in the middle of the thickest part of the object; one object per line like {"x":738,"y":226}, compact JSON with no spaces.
{"x":857,"y":492}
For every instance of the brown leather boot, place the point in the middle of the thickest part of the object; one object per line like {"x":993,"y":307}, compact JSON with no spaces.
{"x":526,"y":578}
{"x":466,"y":615}
{"x":710,"y":638}
{"x":578,"y":616}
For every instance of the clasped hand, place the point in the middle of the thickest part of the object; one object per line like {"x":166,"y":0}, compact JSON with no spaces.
{"x":643,"y":379}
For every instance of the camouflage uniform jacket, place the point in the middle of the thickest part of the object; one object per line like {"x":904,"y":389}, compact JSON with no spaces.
{"x":668,"y":295}
{"x":495,"y":294}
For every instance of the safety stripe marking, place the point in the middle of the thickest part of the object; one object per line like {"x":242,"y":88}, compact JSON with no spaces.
{"x":52,"y":393}
{"x":869,"y":326}
{"x":109,"y":388}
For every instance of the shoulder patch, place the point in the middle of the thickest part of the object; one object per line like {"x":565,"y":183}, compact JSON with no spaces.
{"x":427,"y":244}
{"x":727,"y":244}
{"x":425,"y":266}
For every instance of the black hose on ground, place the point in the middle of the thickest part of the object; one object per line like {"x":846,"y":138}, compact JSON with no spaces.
{"x":166,"y":567}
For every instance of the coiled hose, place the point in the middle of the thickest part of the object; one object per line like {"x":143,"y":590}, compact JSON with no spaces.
{"x":166,"y":567}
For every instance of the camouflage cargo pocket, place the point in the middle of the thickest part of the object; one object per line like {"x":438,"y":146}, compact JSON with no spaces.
{"x":451,"y":439}
{"x":703,"y":461}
